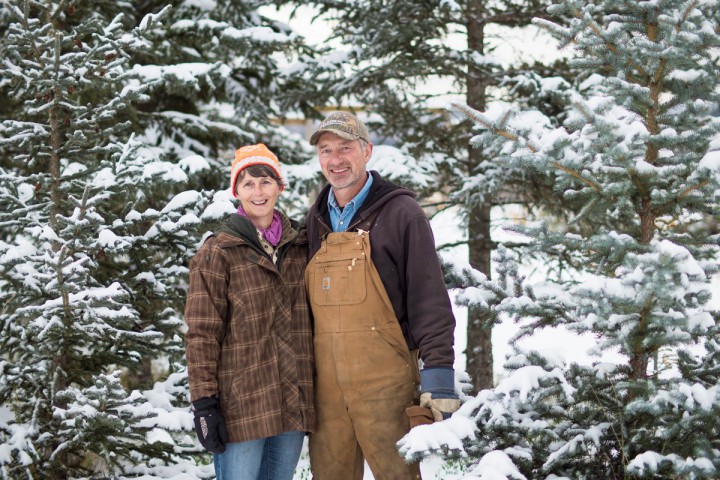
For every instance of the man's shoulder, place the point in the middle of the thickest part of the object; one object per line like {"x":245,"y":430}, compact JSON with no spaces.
{"x":403,"y":204}
{"x":386,"y":194}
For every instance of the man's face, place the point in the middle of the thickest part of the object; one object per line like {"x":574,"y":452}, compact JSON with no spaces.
{"x":343,"y":161}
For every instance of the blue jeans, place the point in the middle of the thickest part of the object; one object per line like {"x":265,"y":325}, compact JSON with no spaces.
{"x":272,"y":458}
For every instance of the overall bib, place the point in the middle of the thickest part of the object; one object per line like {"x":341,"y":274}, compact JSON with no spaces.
{"x":365,"y":376}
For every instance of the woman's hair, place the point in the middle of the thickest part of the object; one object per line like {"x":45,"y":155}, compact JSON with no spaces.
{"x":258,"y":171}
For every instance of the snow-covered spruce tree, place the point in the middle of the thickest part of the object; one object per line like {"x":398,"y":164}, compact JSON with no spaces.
{"x":641,"y":153}
{"x":73,"y":181}
{"x":217,"y":78}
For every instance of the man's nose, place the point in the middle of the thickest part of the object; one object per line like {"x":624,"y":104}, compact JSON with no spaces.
{"x":334,"y":158}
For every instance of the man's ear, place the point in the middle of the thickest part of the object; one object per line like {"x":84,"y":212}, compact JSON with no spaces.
{"x":368,"y":152}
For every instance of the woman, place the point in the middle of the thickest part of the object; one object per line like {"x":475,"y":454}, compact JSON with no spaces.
{"x":249,"y":338}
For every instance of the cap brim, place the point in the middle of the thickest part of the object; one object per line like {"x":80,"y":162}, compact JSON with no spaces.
{"x":347,"y":136}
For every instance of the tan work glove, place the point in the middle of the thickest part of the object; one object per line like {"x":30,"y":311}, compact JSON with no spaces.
{"x":441,"y":408}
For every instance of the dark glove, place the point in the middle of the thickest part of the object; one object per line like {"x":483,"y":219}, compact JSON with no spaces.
{"x":437,"y":392}
{"x":210,"y":424}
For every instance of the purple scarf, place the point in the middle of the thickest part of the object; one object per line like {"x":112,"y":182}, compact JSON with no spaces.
{"x":273,"y":233}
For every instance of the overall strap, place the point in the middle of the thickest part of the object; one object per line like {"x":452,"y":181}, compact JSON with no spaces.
{"x":368,"y":221}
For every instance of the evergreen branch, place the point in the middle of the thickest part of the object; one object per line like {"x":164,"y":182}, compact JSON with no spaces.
{"x":445,"y":246}
{"x":548,"y":26}
{"x":478,"y":118}
{"x":583,"y":211}
{"x":505,"y":118}
{"x":684,"y":194}
{"x":60,"y":8}
{"x":514,"y":138}
{"x":595,"y":28}
{"x":577,"y":175}
{"x":689,"y":190}
{"x":611,"y":46}
{"x":493,"y":245}
{"x":514,"y":18}
{"x":26,"y":25}
{"x":678,"y":27}
{"x":439,"y":204}
{"x":583,"y":111}
{"x":514,"y":245}
{"x":660,"y":70}
{"x":475,"y":116}
{"x":686,"y":14}
{"x":609,"y":414}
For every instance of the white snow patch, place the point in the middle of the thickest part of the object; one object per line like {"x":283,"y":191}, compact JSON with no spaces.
{"x":495,"y":465}
{"x":182,"y":200}
{"x":194,"y":163}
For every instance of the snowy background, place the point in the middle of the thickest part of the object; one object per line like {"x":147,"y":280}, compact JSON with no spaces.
{"x":45,"y":333}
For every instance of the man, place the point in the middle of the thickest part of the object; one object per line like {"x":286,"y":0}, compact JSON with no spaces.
{"x":378,"y":299}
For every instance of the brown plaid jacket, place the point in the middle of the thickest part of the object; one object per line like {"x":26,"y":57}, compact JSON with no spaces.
{"x":249,"y":337}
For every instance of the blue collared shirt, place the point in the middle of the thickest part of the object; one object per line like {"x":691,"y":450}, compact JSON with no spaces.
{"x":340,"y":218}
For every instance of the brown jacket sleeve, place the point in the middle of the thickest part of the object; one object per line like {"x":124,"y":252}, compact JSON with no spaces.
{"x":205,"y":313}
{"x":430,"y":318}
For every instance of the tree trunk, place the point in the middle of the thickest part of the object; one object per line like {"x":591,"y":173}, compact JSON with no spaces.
{"x":479,"y":340}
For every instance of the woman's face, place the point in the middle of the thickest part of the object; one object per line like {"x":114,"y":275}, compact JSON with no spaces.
{"x":258,"y":196}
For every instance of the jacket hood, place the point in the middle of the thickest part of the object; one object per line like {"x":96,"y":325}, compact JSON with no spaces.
{"x":242,"y":229}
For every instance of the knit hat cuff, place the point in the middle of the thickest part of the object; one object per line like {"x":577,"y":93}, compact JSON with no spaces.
{"x":244,"y":158}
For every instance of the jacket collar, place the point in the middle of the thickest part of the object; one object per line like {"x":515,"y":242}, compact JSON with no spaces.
{"x":241,"y":230}
{"x":380,"y":192}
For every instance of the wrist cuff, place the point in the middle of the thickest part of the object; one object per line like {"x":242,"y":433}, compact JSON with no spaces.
{"x":205,"y":403}
{"x":437,"y":378}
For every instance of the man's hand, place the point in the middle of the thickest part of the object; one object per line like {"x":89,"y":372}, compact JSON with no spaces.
{"x":441,"y":408}
{"x":210,"y":424}
{"x":437,"y":392}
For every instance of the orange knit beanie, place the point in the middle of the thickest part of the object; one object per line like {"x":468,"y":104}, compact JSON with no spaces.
{"x":253,"y":155}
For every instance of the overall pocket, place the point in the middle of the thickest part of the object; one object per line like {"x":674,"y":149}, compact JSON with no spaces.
{"x":339,"y":281}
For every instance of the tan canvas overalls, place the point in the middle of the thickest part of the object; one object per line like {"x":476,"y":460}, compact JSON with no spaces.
{"x":365,"y":374}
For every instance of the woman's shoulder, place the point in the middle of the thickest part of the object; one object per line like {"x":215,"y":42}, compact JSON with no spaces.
{"x":302,"y":236}
{"x":295,"y":229}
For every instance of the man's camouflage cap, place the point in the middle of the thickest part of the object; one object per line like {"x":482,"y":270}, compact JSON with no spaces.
{"x":343,"y":124}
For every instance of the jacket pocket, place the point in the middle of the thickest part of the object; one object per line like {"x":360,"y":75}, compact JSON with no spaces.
{"x":256,"y":391}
